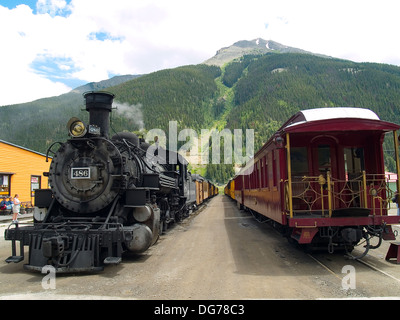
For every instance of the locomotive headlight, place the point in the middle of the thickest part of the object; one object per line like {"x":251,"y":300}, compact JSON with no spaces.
{"x":76,"y":128}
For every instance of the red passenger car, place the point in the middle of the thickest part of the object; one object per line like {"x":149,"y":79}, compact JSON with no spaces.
{"x":321,"y":178}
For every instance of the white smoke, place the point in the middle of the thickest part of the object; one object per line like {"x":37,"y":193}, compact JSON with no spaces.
{"x":133,"y":112}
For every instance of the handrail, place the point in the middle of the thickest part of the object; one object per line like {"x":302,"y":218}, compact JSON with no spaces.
{"x":328,"y":181}
{"x":317,"y":194}
{"x":365,"y":188}
{"x":289,"y":165}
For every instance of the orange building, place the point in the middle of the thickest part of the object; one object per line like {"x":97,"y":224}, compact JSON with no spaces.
{"x":21,"y":171}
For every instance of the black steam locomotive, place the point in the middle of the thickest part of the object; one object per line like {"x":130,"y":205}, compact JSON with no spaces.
{"x":107,"y":196}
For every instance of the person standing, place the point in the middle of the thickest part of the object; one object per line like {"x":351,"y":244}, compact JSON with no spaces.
{"x":16,"y":208}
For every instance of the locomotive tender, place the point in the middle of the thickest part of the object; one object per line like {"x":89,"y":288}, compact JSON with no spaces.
{"x":107,"y":197}
{"x":321,"y":180}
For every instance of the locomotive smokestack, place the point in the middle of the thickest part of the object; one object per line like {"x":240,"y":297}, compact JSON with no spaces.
{"x":98,"y":104}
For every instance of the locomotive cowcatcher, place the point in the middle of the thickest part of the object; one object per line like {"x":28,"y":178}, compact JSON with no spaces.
{"x":106,"y":197}
{"x":321,"y":180}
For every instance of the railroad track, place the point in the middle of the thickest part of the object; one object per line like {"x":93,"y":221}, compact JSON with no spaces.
{"x":334,"y":263}
{"x":332,"y":269}
{"x":378,"y":270}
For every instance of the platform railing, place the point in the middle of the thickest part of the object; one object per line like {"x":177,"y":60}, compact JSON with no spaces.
{"x":323,"y":194}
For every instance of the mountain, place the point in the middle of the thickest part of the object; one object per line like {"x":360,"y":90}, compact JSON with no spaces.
{"x":97,"y":86}
{"x":270,"y":88}
{"x":149,"y":100}
{"x":257,"y":90}
{"x":253,"y":47}
{"x":37,"y":124}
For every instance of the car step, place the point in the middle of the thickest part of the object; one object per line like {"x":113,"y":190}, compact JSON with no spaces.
{"x":112,"y":260}
{"x":14,"y":259}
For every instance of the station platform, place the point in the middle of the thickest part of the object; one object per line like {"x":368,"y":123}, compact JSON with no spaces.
{"x":4,"y":219}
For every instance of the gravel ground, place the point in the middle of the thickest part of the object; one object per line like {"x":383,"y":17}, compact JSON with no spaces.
{"x":218,"y":253}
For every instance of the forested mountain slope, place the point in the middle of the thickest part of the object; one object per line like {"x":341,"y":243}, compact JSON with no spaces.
{"x":271,"y":88}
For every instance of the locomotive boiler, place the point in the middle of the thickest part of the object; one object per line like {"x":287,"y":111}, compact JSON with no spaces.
{"x":106,"y":197}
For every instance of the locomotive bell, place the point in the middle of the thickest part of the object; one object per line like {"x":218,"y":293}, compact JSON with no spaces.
{"x":99,"y":105}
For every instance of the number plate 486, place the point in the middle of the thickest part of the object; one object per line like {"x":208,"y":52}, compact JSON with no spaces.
{"x":80,"y":173}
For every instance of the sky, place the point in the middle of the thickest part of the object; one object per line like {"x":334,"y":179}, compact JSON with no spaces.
{"x":49,"y":47}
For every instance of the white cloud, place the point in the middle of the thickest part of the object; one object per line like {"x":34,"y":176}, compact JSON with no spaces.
{"x":51,"y":7}
{"x":18,"y":81}
{"x":355,"y":30}
{"x":93,"y":39}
